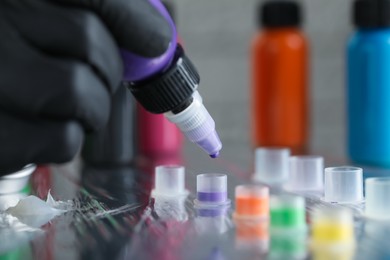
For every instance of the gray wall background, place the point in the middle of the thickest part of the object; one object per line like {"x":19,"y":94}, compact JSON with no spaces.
{"x":217,"y":34}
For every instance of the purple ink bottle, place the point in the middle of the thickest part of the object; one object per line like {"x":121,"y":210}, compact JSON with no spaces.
{"x":168,"y":85}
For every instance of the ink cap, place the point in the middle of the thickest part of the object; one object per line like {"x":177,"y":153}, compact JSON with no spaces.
{"x":378,"y":198}
{"x":306,"y":173}
{"x":287,"y":213}
{"x":252,"y":202}
{"x":271,"y":165}
{"x":14,"y":182}
{"x":332,"y":225}
{"x":169,"y":181}
{"x":343,"y":184}
{"x":211,"y":190}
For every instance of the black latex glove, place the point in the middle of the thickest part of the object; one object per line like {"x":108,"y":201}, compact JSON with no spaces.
{"x":59,"y":65}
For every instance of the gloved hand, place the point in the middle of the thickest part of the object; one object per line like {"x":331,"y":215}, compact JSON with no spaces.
{"x":59,"y":65}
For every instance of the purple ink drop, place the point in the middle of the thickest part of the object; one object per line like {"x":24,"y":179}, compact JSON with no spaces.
{"x":215,"y":155}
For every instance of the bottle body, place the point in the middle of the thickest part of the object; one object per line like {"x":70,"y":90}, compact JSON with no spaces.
{"x":279,"y":89}
{"x":368,"y":97}
{"x":157,"y":136}
{"x":166,"y":84}
{"x":114,"y":144}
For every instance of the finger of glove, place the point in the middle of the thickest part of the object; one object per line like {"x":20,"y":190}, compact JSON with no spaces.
{"x":137,"y":25}
{"x":24,"y":141}
{"x":36,"y":85}
{"x":69,"y":33}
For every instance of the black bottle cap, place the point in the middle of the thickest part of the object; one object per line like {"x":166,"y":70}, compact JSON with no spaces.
{"x":170,"y":89}
{"x":371,"y":13}
{"x":279,"y":14}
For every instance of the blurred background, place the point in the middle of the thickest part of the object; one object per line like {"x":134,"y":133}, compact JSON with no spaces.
{"x":217,"y":36}
{"x":114,"y":214}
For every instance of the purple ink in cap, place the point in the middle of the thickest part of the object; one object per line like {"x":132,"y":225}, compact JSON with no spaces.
{"x":211,"y":189}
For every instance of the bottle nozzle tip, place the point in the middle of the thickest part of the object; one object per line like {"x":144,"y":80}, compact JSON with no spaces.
{"x":197,"y":124}
{"x":214,"y":155}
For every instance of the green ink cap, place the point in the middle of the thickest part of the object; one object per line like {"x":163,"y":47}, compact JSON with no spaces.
{"x":287,"y":211}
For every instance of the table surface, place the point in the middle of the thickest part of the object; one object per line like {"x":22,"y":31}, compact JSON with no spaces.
{"x":114,"y":217}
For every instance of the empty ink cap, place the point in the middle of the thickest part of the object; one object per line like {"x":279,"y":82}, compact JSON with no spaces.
{"x":332,"y":225}
{"x":306,"y":173}
{"x":343,"y":184}
{"x":378,"y":198}
{"x":287,"y":212}
{"x":252,"y":201}
{"x":211,"y":189}
{"x":169,"y":181}
{"x":271,"y":165}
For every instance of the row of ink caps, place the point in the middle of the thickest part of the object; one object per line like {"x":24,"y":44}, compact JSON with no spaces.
{"x":258,"y":213}
{"x":303,"y":175}
{"x":306,"y":175}
{"x":297,"y":174}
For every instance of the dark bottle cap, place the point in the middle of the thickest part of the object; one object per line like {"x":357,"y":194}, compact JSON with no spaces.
{"x":169,"y":90}
{"x":279,"y":14}
{"x":371,"y":13}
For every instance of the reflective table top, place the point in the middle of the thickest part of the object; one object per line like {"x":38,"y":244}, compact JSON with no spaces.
{"x":114,"y":217}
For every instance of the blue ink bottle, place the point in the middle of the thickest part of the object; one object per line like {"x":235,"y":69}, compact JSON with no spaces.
{"x":368,"y":84}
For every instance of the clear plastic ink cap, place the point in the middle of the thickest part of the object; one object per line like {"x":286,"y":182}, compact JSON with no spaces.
{"x":252,"y":201}
{"x":306,"y":173}
{"x":378,"y":198}
{"x":343,"y":184}
{"x":332,"y":225}
{"x":169,"y":181}
{"x":211,"y":189}
{"x":271,"y":165}
{"x":287,"y":212}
